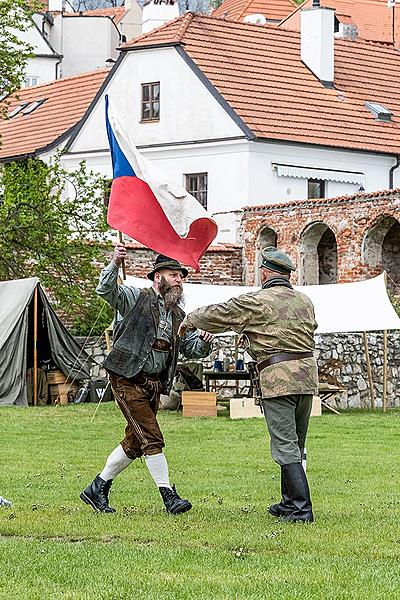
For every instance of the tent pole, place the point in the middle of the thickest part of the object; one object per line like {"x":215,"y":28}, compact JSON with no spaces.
{"x":369,"y":371}
{"x":385,"y":361}
{"x":120,"y":239}
{"x":35,"y":327}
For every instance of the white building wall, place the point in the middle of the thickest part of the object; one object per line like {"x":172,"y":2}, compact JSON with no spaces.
{"x":87,"y":42}
{"x":43,"y":68}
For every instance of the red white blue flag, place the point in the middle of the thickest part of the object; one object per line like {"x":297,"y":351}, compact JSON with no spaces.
{"x":148,"y":207}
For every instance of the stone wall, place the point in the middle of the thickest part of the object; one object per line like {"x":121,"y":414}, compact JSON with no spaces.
{"x":330,"y":239}
{"x":342,"y":355}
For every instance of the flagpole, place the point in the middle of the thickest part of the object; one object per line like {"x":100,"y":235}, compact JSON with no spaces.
{"x":121,"y":241}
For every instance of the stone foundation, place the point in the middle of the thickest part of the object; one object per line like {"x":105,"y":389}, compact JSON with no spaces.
{"x":341,"y":354}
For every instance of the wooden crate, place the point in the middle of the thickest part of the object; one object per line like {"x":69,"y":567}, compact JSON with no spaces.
{"x":244,"y":408}
{"x":199,"y":404}
{"x":54,"y":377}
{"x":59,"y":392}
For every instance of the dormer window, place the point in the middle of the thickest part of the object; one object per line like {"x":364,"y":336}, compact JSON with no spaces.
{"x":151,"y":101}
{"x":378,"y":111}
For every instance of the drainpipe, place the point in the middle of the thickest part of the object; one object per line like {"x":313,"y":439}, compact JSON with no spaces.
{"x":391,"y":171}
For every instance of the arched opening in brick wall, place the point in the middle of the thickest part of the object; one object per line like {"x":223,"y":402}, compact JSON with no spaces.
{"x":266,"y":237}
{"x":318,"y":255}
{"x":381,"y":249}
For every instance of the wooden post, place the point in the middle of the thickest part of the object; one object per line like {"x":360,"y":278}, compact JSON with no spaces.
{"x":35,"y":324}
{"x":120,"y":239}
{"x":369,"y":371}
{"x":385,"y":360}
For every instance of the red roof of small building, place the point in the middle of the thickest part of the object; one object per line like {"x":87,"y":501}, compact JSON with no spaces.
{"x":374,"y":19}
{"x":237,"y":10}
{"x":115,"y":13}
{"x":66,"y":101}
{"x":258,"y":71}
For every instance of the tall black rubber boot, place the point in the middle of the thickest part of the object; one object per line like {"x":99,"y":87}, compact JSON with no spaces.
{"x":174,"y":503}
{"x":299,"y":494}
{"x":96,"y":495}
{"x":285,"y":506}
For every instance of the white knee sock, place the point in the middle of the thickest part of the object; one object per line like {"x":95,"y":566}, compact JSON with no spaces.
{"x":116,"y":462}
{"x":158,"y":468}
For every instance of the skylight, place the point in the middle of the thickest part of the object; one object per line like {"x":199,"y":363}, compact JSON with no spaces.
{"x":378,"y":111}
{"x":26,"y":108}
{"x":17,"y":109}
{"x":32,"y":106}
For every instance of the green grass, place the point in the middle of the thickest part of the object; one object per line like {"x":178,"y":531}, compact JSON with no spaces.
{"x":228,"y":547}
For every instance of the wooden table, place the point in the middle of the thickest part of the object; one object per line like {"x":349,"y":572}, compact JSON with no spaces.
{"x":327,"y":391}
{"x":228,"y":376}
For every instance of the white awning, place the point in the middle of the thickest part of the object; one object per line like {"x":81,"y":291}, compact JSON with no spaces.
{"x":339,"y":307}
{"x":306,"y":173}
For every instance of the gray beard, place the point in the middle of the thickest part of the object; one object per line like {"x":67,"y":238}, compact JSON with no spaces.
{"x":173,"y":296}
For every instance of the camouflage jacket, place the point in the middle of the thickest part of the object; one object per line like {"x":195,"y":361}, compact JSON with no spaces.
{"x":274,"y":320}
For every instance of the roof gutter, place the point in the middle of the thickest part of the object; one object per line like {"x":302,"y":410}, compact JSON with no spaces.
{"x":392,"y":169}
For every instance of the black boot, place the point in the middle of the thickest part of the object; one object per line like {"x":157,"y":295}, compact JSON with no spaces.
{"x":299,"y":494}
{"x":174,"y":503}
{"x":285,"y":506}
{"x":96,"y":495}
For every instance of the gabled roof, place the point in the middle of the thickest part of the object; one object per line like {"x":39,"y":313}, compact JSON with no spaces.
{"x":237,"y":10}
{"x":374,"y":19}
{"x":66,"y":102}
{"x":258,"y":72}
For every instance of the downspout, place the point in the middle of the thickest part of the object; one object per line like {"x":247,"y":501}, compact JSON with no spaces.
{"x":391,"y":171}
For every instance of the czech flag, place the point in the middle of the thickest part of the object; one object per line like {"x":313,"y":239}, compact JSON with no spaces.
{"x":148,"y":207}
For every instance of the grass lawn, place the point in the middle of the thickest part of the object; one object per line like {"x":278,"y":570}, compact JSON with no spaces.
{"x":228,"y":546}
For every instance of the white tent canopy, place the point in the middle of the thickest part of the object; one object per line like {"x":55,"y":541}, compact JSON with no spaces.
{"x":340,"y":307}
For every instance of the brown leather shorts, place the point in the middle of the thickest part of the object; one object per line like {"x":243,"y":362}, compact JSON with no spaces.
{"x":138,"y":398}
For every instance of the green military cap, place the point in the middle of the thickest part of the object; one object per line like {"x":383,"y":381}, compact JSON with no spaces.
{"x":276,"y":260}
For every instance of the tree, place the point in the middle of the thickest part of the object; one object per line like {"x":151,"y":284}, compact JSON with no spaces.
{"x":52,"y":225}
{"x":14,"y":18}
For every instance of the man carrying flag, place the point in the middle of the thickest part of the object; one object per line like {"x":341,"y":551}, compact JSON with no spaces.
{"x":144,"y":356}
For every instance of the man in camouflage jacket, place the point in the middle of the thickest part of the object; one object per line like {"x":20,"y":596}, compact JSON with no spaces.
{"x":279,"y":324}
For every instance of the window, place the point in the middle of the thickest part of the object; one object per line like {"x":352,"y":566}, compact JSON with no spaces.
{"x":151,"y":101}
{"x":17,"y":109}
{"x":33,"y":106}
{"x":29,"y":81}
{"x":196,"y":184}
{"x":316,"y":188}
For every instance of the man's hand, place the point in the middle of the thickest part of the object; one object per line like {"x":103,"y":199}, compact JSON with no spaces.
{"x":206,"y":336}
{"x":182,"y":329}
{"x":119,"y":254}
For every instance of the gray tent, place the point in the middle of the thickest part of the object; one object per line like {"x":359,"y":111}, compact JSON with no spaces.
{"x":19,"y":301}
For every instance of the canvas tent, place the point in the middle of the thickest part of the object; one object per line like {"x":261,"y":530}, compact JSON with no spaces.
{"x":26,"y":316}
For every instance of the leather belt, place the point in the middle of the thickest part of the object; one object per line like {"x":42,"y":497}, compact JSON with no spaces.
{"x":285,"y":356}
{"x":161,"y":345}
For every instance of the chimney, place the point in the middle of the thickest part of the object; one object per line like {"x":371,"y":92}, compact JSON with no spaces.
{"x":317,"y":41}
{"x":158,"y":12}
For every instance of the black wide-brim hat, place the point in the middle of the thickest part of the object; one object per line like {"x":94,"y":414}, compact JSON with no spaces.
{"x":164,"y":262}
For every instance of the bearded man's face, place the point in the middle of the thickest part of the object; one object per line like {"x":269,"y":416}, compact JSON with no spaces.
{"x":170,"y":287}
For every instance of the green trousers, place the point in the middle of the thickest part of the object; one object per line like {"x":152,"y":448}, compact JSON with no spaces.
{"x":287,"y":419}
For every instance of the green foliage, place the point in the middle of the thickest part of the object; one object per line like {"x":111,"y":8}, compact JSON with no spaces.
{"x":15,"y":18}
{"x":53,"y":226}
{"x":396,"y":302}
{"x":53,"y":546}
{"x":95,"y":320}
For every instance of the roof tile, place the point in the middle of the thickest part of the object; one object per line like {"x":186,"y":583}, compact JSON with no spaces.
{"x":66,"y":102}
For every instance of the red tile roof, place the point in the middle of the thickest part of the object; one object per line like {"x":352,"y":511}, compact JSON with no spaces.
{"x":258,"y":71}
{"x":115,"y":13}
{"x":236,"y":10}
{"x":374,"y":19}
{"x":66,"y":103}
